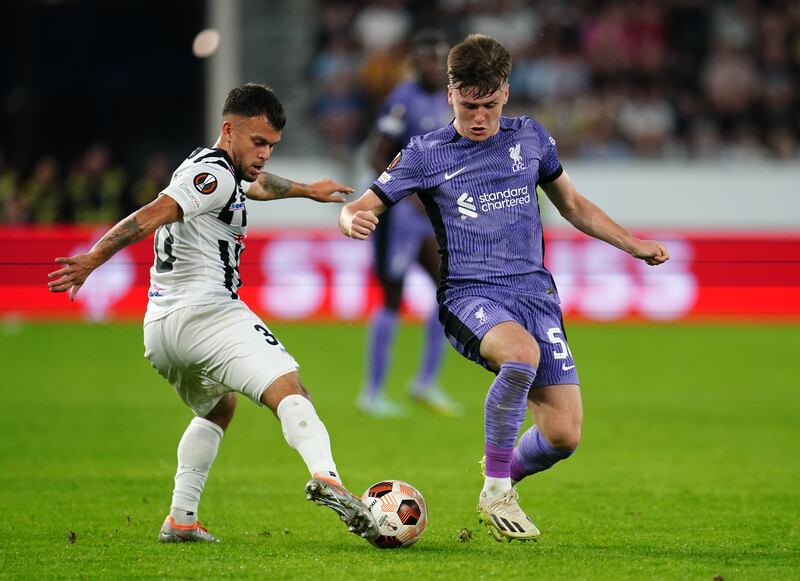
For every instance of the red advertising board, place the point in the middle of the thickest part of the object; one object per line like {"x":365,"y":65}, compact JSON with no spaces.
{"x":320,"y":275}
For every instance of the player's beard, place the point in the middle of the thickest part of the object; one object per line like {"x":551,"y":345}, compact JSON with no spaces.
{"x":246,"y":173}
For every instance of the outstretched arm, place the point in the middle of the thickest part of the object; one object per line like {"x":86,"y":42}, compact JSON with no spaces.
{"x":271,"y":187}
{"x":359,"y":218}
{"x":591,"y":220}
{"x":139,"y":225}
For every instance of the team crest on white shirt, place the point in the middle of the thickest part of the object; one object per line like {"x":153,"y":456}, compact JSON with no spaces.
{"x":515,"y":153}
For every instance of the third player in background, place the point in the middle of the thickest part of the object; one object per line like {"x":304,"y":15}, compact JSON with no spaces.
{"x":405,"y":235}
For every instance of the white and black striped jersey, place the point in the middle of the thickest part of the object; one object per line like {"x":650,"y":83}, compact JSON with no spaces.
{"x":197,"y":259}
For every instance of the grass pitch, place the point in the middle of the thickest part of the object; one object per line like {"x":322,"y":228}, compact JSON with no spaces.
{"x":688,"y":468}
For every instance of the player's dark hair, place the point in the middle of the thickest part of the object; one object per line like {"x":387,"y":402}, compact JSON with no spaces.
{"x":479,"y":65}
{"x":255,"y":100}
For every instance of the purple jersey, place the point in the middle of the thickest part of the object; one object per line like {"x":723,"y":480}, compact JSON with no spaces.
{"x":481,"y":199}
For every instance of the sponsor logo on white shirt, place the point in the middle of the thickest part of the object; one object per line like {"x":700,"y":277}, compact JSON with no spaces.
{"x":193,"y":200}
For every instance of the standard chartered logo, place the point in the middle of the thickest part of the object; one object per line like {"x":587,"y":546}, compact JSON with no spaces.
{"x":490,"y":201}
{"x":507,"y":198}
{"x":466,"y":206}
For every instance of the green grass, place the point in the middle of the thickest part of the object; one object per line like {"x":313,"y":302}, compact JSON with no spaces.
{"x":688,"y":468}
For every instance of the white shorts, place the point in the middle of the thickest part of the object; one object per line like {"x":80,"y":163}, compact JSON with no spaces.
{"x":207,"y":351}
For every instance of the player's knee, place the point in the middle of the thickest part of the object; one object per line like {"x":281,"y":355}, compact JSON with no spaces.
{"x":514,"y":354}
{"x":528,"y":354}
{"x":281,"y":388}
{"x":508,"y":342}
{"x":222,"y":413}
{"x":565,"y":438}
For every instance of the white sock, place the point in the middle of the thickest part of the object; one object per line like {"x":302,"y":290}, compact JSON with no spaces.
{"x":306,"y":433}
{"x":196,"y":452}
{"x":495,"y":486}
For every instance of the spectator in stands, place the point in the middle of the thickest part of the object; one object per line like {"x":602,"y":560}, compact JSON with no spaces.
{"x":340,"y":114}
{"x":647,"y":120}
{"x":95,"y":187}
{"x":41,"y":197}
{"x":8,"y":187}
{"x":144,"y":190}
{"x":716,"y":64}
{"x":726,"y":74}
{"x":730,"y":81}
{"x":382,"y":30}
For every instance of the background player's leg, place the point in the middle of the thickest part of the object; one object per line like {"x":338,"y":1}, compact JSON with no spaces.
{"x":426,"y":388}
{"x":511,"y":350}
{"x":558,"y":414}
{"x":196,"y":453}
{"x":432,"y":353}
{"x":379,"y":346}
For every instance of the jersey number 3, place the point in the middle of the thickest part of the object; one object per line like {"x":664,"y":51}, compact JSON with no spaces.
{"x":268,"y":337}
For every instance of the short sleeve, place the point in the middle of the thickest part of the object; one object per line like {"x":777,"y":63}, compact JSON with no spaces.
{"x":550,"y":166}
{"x":200,"y":188}
{"x":402,"y":178}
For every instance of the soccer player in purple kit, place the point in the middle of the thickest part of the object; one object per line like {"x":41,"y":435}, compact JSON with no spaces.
{"x":498,"y":304}
{"x":405,"y":235}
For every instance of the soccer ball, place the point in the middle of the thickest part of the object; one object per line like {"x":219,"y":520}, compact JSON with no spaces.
{"x":400,"y":511}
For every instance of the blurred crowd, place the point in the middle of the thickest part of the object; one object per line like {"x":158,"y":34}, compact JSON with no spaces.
{"x":611,"y":79}
{"x":684,"y":79}
{"x":93,"y":189}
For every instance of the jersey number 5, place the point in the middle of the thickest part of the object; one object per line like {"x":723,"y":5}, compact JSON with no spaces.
{"x":562,"y":349}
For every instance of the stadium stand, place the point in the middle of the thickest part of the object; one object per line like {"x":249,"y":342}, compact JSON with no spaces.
{"x":677,"y":80}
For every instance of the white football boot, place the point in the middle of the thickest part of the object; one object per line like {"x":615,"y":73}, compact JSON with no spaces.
{"x":354,"y":513}
{"x":504,"y":518}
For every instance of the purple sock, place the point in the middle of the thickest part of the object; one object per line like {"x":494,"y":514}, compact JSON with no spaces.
{"x":505,"y":408}
{"x":381,"y":337}
{"x":432,"y":356}
{"x":534,"y":454}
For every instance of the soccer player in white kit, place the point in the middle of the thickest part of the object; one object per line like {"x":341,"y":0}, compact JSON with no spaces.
{"x":198,"y":334}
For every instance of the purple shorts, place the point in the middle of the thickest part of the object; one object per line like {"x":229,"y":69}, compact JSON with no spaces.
{"x":469,"y":314}
{"x":398,"y":239}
